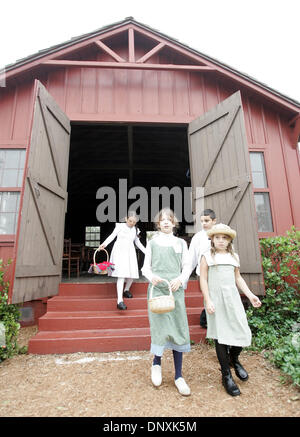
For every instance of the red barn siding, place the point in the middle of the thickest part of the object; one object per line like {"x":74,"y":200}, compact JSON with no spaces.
{"x":161,"y":96}
{"x":6,"y":253}
{"x":15,"y":112}
{"x":256,"y":119}
{"x":120,"y":95}
{"x":22,"y":113}
{"x":7,"y":105}
{"x":277,"y":178}
{"x":292,"y":167}
{"x":197,"y":94}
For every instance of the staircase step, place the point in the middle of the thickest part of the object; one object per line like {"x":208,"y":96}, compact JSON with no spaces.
{"x":104,"y":340}
{"x":76,"y":320}
{"x":100,"y":289}
{"x":93,"y":303}
{"x":108,"y":289}
{"x":83,"y":317}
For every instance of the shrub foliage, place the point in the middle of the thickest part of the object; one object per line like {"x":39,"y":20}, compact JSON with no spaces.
{"x":276,"y":324}
{"x":9,"y":317}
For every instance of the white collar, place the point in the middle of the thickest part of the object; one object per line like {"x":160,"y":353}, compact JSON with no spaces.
{"x":166,"y":236}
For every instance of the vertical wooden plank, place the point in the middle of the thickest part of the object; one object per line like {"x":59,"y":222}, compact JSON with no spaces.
{"x":21,"y":118}
{"x":105,"y":88}
{"x":293,"y":168}
{"x":196,"y":95}
{"x":121,"y":91}
{"x":181,"y":94}
{"x":131,"y":53}
{"x":150,"y":92}
{"x":135,"y":79}
{"x":89,"y":95}
{"x":210,"y":91}
{"x":247,"y":116}
{"x":165,"y":92}
{"x":56,"y":85}
{"x":257,"y":122}
{"x":73,"y":94}
{"x":7,"y":109}
{"x":281,"y":209}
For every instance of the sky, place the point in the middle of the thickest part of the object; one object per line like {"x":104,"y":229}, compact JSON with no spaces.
{"x":259,"y":37}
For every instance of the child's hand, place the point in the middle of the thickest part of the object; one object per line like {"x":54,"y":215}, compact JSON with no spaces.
{"x":210,"y":308}
{"x":175,"y":284}
{"x":101,"y":247}
{"x":155,"y":280}
{"x":255,"y":301}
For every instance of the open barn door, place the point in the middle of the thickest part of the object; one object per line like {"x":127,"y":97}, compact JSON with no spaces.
{"x":219,"y":162}
{"x":40,"y":235}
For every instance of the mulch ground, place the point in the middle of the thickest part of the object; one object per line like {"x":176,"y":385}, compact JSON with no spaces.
{"x":118,"y":385}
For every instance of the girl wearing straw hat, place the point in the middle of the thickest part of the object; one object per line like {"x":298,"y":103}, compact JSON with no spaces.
{"x":226,"y":318}
{"x":123,"y":256}
{"x":167,"y":258}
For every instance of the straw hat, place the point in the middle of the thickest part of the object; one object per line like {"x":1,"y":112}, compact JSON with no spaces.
{"x":220,"y":228}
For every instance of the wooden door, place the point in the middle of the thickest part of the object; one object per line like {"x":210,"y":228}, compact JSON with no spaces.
{"x":40,"y":234}
{"x":219,"y":162}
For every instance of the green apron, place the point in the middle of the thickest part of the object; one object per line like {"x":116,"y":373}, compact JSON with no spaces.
{"x":168,"y":330}
{"x":228,"y":324}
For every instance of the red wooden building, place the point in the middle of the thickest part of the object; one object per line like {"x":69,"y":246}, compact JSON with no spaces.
{"x":128,"y":102}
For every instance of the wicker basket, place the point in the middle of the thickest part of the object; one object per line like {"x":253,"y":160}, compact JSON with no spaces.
{"x":162,"y":304}
{"x":95,"y":268}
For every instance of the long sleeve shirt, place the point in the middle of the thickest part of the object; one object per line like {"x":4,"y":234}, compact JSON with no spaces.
{"x":132,"y":233}
{"x":200,"y":243}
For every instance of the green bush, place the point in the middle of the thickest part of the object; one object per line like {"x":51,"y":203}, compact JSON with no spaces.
{"x":275,"y":324}
{"x":9,"y":316}
{"x":287,"y":357}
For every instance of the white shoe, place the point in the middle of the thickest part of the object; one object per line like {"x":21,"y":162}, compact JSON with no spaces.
{"x":182,"y":387}
{"x":156,"y":377}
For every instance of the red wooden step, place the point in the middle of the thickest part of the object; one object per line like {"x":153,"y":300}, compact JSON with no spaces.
{"x":102,"y":289}
{"x":74,"y":320}
{"x":93,"y":303}
{"x":105,"y":340}
{"x":84,"y":317}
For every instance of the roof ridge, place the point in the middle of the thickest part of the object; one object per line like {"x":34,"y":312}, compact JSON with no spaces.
{"x":130,"y":19}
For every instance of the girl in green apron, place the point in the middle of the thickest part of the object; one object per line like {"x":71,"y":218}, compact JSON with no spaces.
{"x":226,"y":318}
{"x":167,"y":257}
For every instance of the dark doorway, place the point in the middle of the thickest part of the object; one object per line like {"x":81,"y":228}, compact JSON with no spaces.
{"x":100,"y":155}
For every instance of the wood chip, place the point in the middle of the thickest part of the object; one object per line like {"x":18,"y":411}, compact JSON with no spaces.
{"x":114,"y":385}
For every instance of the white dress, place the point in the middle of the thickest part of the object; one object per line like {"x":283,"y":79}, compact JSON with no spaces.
{"x":123,"y":254}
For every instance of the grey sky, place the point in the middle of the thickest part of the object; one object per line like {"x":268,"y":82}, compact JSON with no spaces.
{"x":257,"y":37}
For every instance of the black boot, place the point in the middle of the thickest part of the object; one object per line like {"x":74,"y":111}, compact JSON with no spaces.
{"x":229,"y":384}
{"x":234,"y":361}
{"x":121,"y":306}
{"x":127,"y":294}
